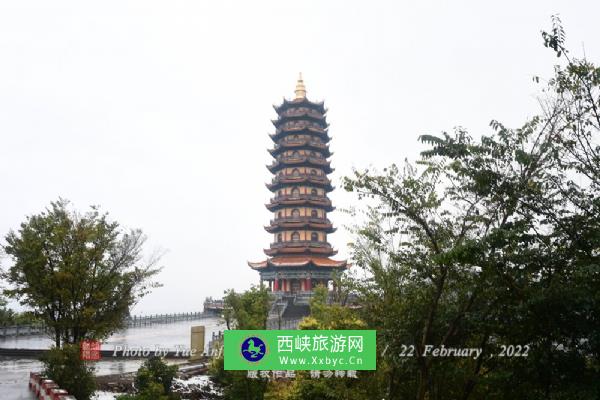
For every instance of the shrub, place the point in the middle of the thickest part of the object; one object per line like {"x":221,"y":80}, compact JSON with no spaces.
{"x":153,"y":381}
{"x":65,"y":367}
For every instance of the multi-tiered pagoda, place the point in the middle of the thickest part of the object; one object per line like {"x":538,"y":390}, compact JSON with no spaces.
{"x":299,"y":256}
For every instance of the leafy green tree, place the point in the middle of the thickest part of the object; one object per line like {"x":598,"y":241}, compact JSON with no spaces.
{"x":80,"y":274}
{"x":153,"y":381}
{"x":155,"y":370}
{"x":248,"y":310}
{"x":330,"y":315}
{"x":65,"y":367}
{"x":327,"y":314}
{"x":487,"y":243}
{"x":7,"y":316}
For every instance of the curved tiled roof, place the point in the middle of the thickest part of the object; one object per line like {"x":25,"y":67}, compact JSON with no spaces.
{"x":299,"y":261}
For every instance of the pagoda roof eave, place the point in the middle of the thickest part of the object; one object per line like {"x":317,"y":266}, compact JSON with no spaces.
{"x":273,"y":186}
{"x":275,"y":152}
{"x":276,"y":205}
{"x":322,"y":121}
{"x":320,"y":106}
{"x":279,"y":165}
{"x":327,"y":228}
{"x":323,"y":134}
{"x":299,"y":261}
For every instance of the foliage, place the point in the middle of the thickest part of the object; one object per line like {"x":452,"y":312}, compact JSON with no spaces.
{"x":80,"y":274}
{"x":154,"y":391}
{"x":155,"y":370}
{"x":6,"y":314}
{"x":333,"y":315}
{"x":153,"y":381}
{"x":65,"y":367}
{"x":235,"y":385}
{"x":248,"y":310}
{"x":487,"y":243}
{"x":325,"y":315}
{"x":10,"y":317}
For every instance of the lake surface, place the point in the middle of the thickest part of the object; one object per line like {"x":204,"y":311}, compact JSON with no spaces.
{"x":14,"y":373}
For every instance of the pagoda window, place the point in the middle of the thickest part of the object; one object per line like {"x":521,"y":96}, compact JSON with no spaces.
{"x":296,"y":137}
{"x":313,"y":172}
{"x":295,"y":172}
{"x":313,"y":192}
{"x":295,"y":237}
{"x":295,"y":154}
{"x":279,"y":238}
{"x":295,"y":192}
{"x":295,"y":213}
{"x":314,"y":237}
{"x":279,"y":215}
{"x":280,"y":193}
{"x":314,"y":214}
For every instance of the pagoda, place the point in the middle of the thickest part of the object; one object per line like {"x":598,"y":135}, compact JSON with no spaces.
{"x":299,"y":256}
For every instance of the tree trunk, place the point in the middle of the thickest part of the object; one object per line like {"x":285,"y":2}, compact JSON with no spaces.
{"x":423,"y":392}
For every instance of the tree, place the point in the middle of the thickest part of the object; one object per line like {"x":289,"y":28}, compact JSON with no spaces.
{"x":80,"y":274}
{"x":156,"y":370}
{"x":330,"y":315}
{"x":7,"y":315}
{"x":334,"y":315}
{"x":153,"y":381}
{"x":65,"y":367}
{"x":487,"y":243}
{"x":248,"y":310}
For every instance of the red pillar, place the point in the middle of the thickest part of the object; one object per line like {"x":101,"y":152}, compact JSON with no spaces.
{"x":308,"y":284}
{"x":276,"y":285}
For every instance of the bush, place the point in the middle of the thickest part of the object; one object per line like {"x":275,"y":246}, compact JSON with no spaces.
{"x":154,"y":391}
{"x":153,"y":381}
{"x":65,"y":367}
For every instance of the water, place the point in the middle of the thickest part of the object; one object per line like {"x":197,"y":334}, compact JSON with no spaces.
{"x":14,"y":373}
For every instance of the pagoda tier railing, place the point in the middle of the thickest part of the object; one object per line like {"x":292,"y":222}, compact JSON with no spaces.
{"x":286,"y":197}
{"x":301,"y":127}
{"x":300,"y":243}
{"x":315,"y":220}
{"x":300,"y":117}
{"x":300,"y":143}
{"x":280,"y":135}
{"x":300,"y":250}
{"x":286,"y":226}
{"x":299,"y":112}
{"x":302,"y":160}
{"x":295,"y":104}
{"x":323,"y":180}
{"x":300,"y":178}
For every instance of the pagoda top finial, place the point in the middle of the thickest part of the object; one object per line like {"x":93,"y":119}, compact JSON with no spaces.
{"x":300,"y":89}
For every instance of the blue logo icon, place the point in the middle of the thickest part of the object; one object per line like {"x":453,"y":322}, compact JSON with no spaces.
{"x":253,"y":349}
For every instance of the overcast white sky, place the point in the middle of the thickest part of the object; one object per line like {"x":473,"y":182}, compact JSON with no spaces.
{"x":159,"y":110}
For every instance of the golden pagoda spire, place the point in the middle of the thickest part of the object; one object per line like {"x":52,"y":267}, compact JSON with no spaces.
{"x":300,"y":89}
